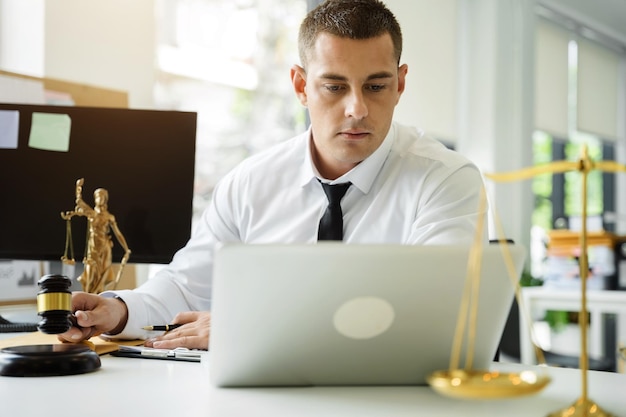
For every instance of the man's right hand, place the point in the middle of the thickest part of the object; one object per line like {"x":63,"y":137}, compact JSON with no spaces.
{"x":95,"y":315}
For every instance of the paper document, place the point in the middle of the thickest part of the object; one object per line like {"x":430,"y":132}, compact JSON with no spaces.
{"x":178,"y":354}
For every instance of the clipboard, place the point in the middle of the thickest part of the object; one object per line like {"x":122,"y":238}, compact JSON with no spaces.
{"x":143,"y":352}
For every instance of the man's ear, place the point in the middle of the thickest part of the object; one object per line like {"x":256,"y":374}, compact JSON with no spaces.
{"x":298,"y":80}
{"x":402,"y":71}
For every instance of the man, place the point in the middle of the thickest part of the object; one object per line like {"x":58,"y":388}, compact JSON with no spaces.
{"x":404,"y":187}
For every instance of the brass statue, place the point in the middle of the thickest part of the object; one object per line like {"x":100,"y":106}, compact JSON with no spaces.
{"x":98,"y":273}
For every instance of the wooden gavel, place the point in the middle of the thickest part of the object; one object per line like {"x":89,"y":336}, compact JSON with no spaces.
{"x":54,"y":304}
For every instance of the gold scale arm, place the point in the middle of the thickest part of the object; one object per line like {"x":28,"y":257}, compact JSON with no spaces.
{"x":583,"y":406}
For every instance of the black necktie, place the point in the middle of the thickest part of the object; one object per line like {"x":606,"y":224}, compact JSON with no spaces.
{"x":331,"y":223}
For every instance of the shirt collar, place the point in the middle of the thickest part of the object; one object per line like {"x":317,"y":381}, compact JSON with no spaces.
{"x":362,"y":176}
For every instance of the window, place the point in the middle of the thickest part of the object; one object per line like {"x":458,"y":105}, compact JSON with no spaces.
{"x":558,"y":196}
{"x":229,"y":61}
{"x":562,"y":125}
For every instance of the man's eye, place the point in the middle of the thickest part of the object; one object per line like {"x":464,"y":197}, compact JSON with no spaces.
{"x":333,"y":88}
{"x":376,"y":87}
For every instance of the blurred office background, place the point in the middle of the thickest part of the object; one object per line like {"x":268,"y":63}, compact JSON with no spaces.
{"x":508,"y":83}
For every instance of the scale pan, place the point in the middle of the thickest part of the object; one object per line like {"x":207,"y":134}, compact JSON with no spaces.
{"x":477,"y":384}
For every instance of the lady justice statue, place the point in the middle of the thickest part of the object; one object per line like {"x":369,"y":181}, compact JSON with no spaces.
{"x":98,"y":273}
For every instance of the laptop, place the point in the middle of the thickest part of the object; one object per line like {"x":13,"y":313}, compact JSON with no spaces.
{"x":349,"y":314}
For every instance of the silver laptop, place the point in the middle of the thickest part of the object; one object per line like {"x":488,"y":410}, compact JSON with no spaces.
{"x":344,"y":314}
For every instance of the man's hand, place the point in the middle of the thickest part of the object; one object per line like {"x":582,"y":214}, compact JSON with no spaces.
{"x":193,"y":334}
{"x":95,"y":315}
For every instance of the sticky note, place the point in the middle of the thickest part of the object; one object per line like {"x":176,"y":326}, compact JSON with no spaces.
{"x":50,"y":132}
{"x":9,"y":125}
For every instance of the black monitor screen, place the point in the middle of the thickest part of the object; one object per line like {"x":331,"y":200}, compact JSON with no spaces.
{"x":144,"y":159}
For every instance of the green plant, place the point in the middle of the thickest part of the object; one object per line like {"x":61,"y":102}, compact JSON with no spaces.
{"x":527,"y":280}
{"x":557,"y":320}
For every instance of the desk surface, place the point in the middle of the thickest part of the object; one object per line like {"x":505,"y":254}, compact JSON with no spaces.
{"x":126,"y":386}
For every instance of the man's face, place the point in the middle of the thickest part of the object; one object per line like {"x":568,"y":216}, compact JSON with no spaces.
{"x":350,"y":88}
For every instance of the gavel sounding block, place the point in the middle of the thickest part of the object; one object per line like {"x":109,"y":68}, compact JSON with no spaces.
{"x":48,"y":360}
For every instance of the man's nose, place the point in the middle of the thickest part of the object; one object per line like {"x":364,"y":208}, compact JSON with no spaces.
{"x":355,"y":106}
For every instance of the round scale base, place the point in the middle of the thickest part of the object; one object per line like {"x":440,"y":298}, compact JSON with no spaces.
{"x":582,"y":408}
{"x":48,"y":360}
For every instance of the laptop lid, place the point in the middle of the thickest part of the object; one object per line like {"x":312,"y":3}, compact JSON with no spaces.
{"x":338,"y":314}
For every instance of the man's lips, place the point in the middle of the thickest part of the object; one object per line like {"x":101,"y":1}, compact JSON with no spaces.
{"x":354,"y":134}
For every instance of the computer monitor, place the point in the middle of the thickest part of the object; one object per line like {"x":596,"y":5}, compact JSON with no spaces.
{"x":145,"y":159}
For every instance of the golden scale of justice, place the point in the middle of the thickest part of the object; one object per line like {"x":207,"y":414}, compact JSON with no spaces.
{"x":484,"y":384}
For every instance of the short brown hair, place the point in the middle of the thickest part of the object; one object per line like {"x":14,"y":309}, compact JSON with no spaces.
{"x":354,"y":19}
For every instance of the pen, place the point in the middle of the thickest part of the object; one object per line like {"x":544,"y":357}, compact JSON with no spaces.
{"x":163,"y":328}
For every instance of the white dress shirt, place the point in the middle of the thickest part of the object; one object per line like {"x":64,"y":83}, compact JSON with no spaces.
{"x":411,"y":190}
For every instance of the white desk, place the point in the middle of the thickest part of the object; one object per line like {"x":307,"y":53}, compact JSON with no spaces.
{"x":149,"y":387}
{"x":539,"y":299}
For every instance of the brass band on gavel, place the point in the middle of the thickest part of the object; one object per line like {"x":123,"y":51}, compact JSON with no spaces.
{"x":54,"y":301}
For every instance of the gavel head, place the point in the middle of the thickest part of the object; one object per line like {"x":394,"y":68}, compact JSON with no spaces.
{"x":54,"y":304}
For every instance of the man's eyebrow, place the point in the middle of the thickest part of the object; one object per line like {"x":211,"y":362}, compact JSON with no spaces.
{"x":378,"y":75}
{"x":334,"y":77}
{"x":337,"y":77}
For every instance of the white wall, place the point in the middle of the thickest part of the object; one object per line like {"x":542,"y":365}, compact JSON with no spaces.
{"x":497,"y":101}
{"x":430,"y":31}
{"x":489,"y":61}
{"x":107,"y":44}
{"x":103,"y":43}
{"x":21,"y":36}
